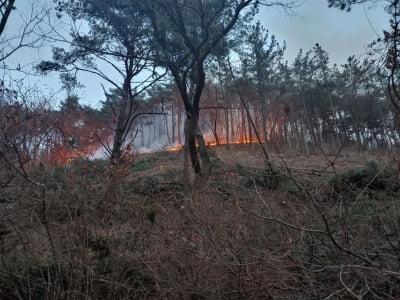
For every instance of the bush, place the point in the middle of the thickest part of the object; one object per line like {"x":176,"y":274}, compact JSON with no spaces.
{"x":142,"y":164}
{"x":263,"y":178}
{"x":368,"y":176}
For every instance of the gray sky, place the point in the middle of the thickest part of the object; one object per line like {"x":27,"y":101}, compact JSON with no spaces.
{"x":340,"y":33}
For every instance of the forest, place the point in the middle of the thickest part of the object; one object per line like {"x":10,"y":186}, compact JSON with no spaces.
{"x":212,"y":168}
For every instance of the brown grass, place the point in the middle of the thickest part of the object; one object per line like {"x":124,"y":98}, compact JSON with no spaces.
{"x":154,"y":238}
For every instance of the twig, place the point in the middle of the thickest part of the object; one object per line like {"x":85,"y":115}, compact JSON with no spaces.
{"x":283,"y":222}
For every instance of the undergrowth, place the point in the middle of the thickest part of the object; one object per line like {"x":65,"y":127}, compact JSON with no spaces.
{"x":375,"y":178}
{"x":246,"y":234}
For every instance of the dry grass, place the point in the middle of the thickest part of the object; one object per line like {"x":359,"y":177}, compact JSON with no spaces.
{"x":234,"y":238}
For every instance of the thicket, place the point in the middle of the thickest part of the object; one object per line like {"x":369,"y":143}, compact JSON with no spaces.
{"x":314,"y":237}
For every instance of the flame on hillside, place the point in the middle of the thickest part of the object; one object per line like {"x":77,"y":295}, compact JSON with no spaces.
{"x":63,"y":155}
{"x":214,"y":144}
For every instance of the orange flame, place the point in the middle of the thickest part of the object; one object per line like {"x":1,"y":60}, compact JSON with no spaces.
{"x":214,"y":144}
{"x":64,"y":155}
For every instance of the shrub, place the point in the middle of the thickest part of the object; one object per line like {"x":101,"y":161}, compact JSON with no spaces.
{"x":263,"y":178}
{"x":369,"y":176}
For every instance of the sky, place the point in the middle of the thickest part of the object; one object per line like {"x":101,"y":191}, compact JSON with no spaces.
{"x":340,"y":33}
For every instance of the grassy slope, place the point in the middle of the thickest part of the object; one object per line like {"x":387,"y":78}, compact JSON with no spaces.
{"x":305,"y":233}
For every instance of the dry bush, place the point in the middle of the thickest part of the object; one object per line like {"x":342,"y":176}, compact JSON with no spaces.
{"x":234,"y":238}
{"x":153,"y":240}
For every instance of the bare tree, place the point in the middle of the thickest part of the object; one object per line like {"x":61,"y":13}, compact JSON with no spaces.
{"x":23,"y":127}
{"x":30,"y":29}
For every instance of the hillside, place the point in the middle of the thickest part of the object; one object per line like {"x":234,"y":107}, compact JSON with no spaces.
{"x":302,"y":233}
{"x":288,"y":186}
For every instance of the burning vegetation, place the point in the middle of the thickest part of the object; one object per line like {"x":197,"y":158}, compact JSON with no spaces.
{"x":301,"y":202}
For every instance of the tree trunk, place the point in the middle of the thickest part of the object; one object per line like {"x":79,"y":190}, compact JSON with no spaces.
{"x":186,"y":168}
{"x":264,"y":121}
{"x":192,"y":135}
{"x":179,"y":116}
{"x":116,"y":152}
{"x":190,"y":143}
{"x":205,"y":159}
{"x":173,"y":123}
{"x":215,"y":128}
{"x":227,"y":128}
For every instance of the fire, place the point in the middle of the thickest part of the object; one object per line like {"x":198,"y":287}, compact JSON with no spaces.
{"x":174,"y":149}
{"x":63,"y":154}
{"x":214,"y":144}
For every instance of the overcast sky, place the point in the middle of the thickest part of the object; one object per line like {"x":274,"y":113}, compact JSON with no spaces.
{"x":340,"y":33}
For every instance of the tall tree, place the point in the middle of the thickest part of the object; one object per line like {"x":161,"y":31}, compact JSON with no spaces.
{"x":387,"y":48}
{"x":117,"y":38}
{"x":187,"y":33}
{"x":391,"y":56}
{"x":23,"y":124}
{"x":261,"y":58}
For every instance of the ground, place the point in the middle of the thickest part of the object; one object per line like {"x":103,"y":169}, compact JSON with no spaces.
{"x":322,"y":226}
{"x":252,"y":156}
